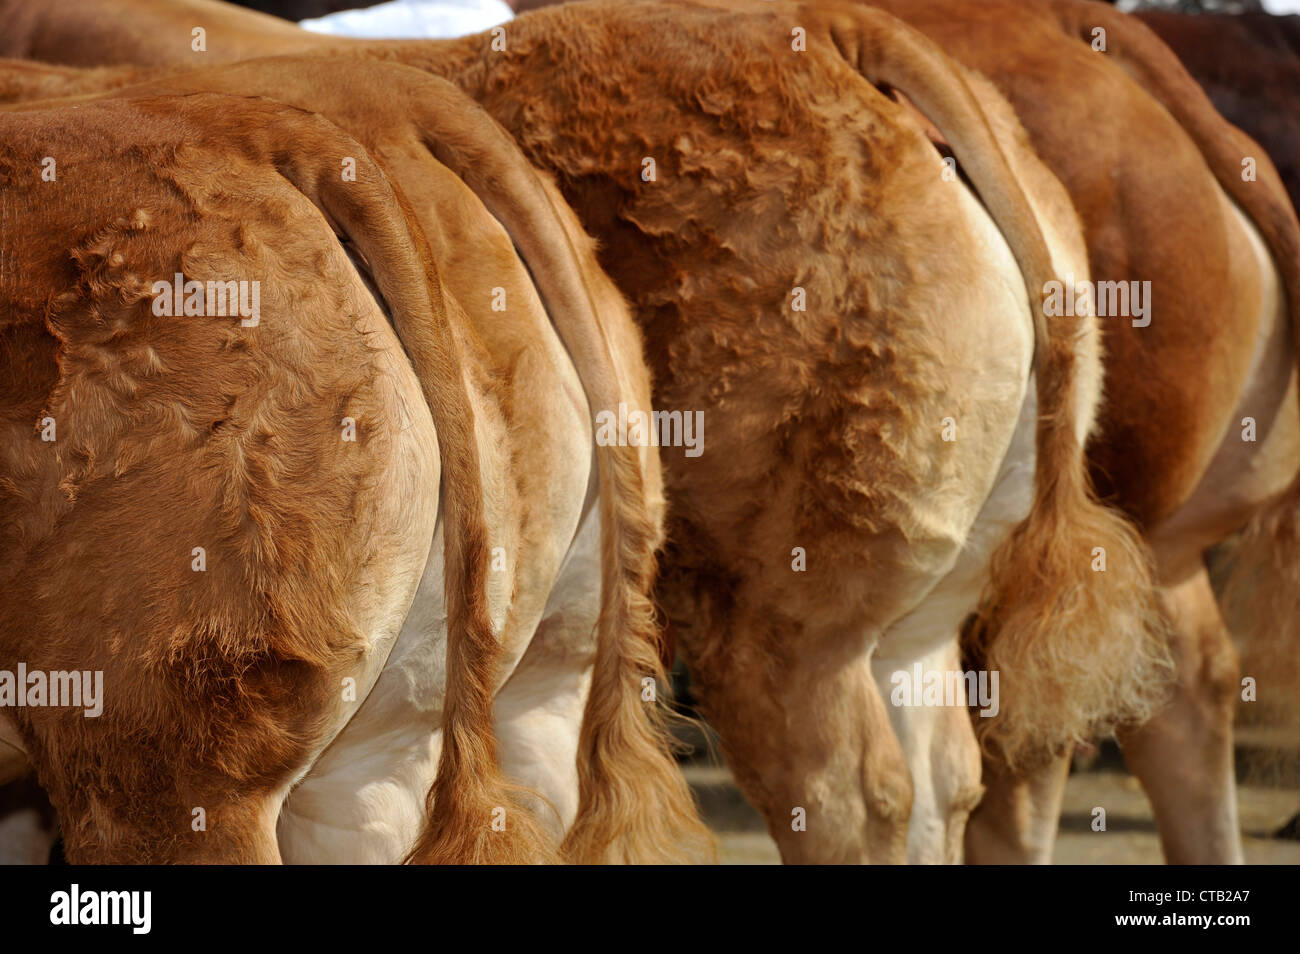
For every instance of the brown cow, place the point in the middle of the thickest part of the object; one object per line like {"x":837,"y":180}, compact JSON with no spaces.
{"x":743,"y":625}
{"x":518,"y":639}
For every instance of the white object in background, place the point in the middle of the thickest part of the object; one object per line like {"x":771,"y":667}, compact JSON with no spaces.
{"x":419,"y":18}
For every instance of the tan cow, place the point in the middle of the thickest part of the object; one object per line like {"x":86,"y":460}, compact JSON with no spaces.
{"x":146,"y":32}
{"x":794,"y":175}
{"x":232,"y":523}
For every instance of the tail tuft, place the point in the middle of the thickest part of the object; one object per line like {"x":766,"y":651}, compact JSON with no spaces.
{"x":1079,"y":650}
{"x":473,"y":816}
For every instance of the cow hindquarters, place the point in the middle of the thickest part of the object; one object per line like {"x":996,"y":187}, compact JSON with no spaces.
{"x":788,"y":655}
{"x":250,"y":524}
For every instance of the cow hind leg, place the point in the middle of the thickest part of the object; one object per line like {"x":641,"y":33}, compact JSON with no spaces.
{"x":943,"y":760}
{"x":1016,"y":821}
{"x":1183,"y":755}
{"x":808,"y":737}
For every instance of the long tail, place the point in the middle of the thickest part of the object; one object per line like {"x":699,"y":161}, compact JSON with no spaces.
{"x":374,"y":216}
{"x":634,"y":803}
{"x":1262,"y":596}
{"x":1077,"y":651}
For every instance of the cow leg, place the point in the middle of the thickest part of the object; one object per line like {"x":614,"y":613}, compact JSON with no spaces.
{"x":1016,"y":821}
{"x":235,"y":830}
{"x":1183,"y":756}
{"x":807,"y":736}
{"x":944,"y":762}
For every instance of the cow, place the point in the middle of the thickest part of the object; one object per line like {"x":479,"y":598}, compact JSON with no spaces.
{"x":359,"y":591}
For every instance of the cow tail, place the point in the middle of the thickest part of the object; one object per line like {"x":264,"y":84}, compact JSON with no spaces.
{"x":634,"y":804}
{"x":1261,"y":597}
{"x":471,"y":796}
{"x":1077,"y":651}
